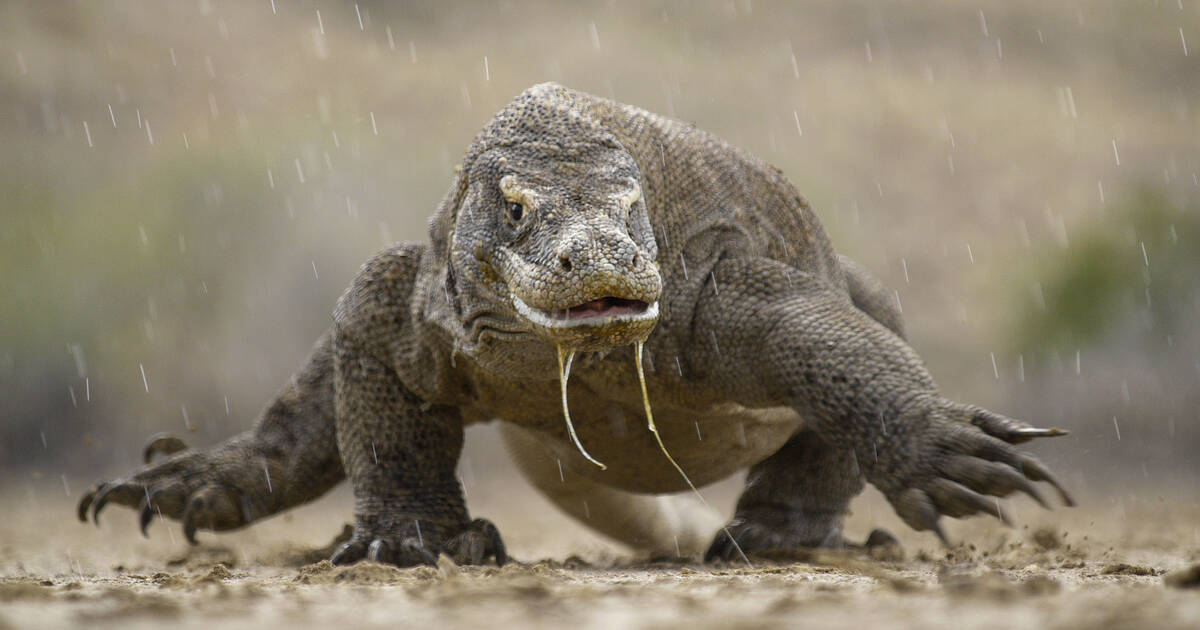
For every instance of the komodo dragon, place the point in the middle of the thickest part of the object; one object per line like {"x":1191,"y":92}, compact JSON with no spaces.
{"x":576,"y":229}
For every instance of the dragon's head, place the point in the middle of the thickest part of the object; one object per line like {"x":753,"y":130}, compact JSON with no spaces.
{"x":547,"y":239}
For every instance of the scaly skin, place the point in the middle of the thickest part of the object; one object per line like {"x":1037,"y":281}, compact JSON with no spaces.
{"x":764,"y":349}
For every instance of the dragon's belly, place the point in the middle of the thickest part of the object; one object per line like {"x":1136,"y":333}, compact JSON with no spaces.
{"x":709,"y":445}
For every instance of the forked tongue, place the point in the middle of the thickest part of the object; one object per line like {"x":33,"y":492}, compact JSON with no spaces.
{"x":637,"y":356}
{"x":564,"y":372}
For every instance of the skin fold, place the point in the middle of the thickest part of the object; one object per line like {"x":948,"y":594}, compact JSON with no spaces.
{"x":578,"y":227}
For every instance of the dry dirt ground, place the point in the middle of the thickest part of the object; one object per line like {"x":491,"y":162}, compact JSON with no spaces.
{"x":1120,"y":560}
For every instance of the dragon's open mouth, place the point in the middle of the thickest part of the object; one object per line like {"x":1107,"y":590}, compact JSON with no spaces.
{"x":603,"y":307}
{"x":598,"y":312}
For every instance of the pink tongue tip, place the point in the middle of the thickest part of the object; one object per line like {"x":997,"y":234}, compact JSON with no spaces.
{"x":595,"y":305}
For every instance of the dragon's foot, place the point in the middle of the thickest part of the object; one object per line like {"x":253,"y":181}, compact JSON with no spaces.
{"x":410,"y":542}
{"x":221,"y":489}
{"x":775,"y":532}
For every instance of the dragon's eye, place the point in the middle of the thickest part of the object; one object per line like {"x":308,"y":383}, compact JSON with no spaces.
{"x":515,"y":211}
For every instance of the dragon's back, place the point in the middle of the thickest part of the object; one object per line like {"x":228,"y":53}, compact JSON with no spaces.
{"x":707,"y":199}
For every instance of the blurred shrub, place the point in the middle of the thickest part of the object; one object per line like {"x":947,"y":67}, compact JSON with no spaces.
{"x":115,"y":268}
{"x":1132,"y":275}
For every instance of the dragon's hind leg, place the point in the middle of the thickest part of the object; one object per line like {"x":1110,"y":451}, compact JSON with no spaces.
{"x":288,"y":458}
{"x":795,"y":499}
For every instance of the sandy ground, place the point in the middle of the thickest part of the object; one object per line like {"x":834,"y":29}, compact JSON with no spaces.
{"x":1121,"y":560}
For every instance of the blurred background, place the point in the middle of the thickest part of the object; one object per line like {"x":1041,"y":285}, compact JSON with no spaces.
{"x":186,"y":188}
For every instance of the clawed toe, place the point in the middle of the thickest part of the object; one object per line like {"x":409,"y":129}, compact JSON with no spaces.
{"x":210,"y":507}
{"x":1009,"y":430}
{"x":215,"y":508}
{"x":162,"y":443}
{"x":480,"y":541}
{"x":880,"y":539}
{"x":349,"y":553}
{"x":475,"y":544}
{"x":98,"y":497}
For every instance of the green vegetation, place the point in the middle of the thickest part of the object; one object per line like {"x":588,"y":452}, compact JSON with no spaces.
{"x":1133,"y":270}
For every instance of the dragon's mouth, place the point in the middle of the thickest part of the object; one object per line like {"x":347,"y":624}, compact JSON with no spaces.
{"x":603,"y":307}
{"x":599,"y":312}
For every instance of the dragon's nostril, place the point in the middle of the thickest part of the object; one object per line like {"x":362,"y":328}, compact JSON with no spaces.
{"x":565,"y":261}
{"x":634,"y":261}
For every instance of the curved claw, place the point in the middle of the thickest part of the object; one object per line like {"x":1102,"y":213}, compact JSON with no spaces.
{"x":379,"y":551}
{"x":498,"y":549}
{"x":189,"y":519}
{"x":1024,"y":486}
{"x":348,"y":553}
{"x":146,"y":513}
{"x":996,"y":450}
{"x":1007,"y":429}
{"x":1030,"y":433}
{"x":988,"y":477}
{"x":937,"y":529}
{"x":477,"y":542}
{"x":98,"y":503}
{"x":84,"y":503}
{"x":473,"y":553}
{"x":1036,"y":471}
{"x":916,"y":508}
{"x":419,"y":551}
{"x":164,"y":443}
{"x":880,"y":538}
{"x":956,"y":500}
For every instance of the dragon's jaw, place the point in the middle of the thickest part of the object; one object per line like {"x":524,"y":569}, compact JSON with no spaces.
{"x":599,"y":313}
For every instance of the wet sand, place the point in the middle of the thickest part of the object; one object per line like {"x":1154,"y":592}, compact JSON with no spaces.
{"x":1119,"y":561}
